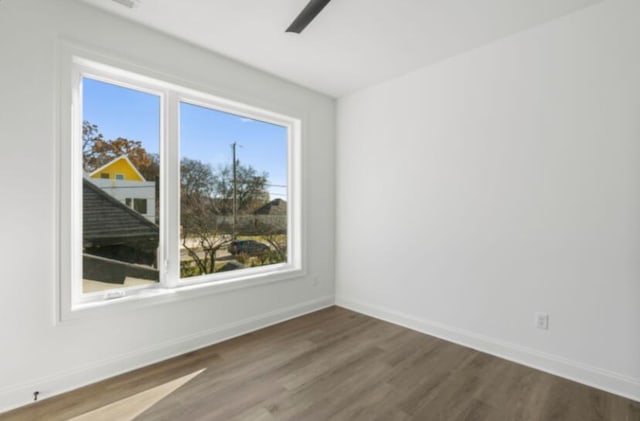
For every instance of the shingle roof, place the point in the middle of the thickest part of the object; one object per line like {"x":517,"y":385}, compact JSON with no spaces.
{"x":275,"y":207}
{"x":106,"y":221}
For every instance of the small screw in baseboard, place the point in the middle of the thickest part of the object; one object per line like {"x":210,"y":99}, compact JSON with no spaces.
{"x":35,"y":395}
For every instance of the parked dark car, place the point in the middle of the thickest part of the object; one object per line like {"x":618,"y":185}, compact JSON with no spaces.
{"x":250,"y":247}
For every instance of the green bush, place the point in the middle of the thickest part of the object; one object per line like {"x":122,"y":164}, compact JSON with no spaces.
{"x":189,"y":268}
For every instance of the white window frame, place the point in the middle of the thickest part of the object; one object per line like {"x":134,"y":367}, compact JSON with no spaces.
{"x":72,"y":302}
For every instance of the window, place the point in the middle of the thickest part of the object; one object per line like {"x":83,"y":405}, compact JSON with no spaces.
{"x":140,"y":205}
{"x":120,"y":132}
{"x":208,"y":190}
{"x":233,"y":191}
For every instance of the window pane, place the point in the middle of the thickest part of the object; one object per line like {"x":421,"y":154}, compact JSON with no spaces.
{"x":233,"y":213}
{"x":140,"y":205}
{"x":120,"y":151}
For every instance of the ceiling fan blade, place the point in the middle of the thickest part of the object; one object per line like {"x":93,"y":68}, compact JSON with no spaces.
{"x":305,"y":17}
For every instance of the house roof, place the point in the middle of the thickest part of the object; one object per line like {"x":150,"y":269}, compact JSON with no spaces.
{"x":113,"y":161}
{"x":275,"y":207}
{"x":106,"y":221}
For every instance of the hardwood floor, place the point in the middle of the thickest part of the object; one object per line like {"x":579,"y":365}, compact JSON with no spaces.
{"x":339,"y":365}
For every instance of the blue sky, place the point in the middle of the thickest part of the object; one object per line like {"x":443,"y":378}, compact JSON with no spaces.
{"x":205,"y":134}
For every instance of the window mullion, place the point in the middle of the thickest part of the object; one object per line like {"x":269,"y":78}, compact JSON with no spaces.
{"x":171,"y":185}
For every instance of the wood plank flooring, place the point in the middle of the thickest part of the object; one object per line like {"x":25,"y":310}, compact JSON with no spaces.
{"x":335,"y":364}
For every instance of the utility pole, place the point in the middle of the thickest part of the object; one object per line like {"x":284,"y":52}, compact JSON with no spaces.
{"x":235,"y":191}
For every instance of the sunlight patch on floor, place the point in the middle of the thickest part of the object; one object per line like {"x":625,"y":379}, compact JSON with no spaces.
{"x":128,"y":408}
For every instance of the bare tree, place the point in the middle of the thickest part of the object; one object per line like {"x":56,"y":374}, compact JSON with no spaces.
{"x":200,"y":233}
{"x":275,"y":236}
{"x":201,"y":236}
{"x":206,"y":204}
{"x":251,"y":188}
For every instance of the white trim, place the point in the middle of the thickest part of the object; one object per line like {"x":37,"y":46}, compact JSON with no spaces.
{"x":75,"y":63}
{"x":20,"y":394}
{"x":152,"y":296}
{"x":171,"y":190}
{"x":599,"y":378}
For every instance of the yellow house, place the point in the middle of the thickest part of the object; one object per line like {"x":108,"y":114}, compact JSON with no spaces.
{"x":120,"y":168}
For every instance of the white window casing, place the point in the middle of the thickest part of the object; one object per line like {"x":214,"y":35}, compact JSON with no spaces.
{"x":76,"y":64}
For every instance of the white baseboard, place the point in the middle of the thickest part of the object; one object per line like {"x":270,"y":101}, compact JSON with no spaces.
{"x":606,"y":380}
{"x":18,"y":395}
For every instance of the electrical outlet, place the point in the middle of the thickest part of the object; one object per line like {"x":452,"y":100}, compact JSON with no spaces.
{"x":542,"y":321}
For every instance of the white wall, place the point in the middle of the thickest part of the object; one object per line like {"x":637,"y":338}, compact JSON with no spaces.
{"x":128,"y":189}
{"x":34,"y":353}
{"x":503,"y":182}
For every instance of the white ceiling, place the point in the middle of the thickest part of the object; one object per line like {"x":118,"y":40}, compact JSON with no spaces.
{"x":352,"y":44}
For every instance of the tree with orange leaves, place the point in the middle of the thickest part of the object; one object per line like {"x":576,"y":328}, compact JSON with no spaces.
{"x":96,"y":152}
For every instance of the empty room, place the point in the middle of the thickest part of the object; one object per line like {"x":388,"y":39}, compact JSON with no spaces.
{"x":320,"y":210}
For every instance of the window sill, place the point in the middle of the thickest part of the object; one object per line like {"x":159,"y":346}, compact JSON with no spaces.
{"x":186,"y":291}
